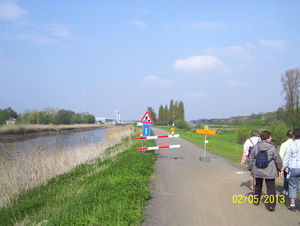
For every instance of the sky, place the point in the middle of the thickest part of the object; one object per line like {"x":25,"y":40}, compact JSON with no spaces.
{"x":220,"y":58}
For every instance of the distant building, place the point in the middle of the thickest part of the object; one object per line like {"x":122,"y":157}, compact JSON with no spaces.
{"x":11,"y":121}
{"x":104,"y":120}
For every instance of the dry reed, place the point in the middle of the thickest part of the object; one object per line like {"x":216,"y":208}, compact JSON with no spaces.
{"x":22,"y":171}
{"x":13,"y":129}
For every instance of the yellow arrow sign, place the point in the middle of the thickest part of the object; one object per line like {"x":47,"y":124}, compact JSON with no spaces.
{"x":206,"y":132}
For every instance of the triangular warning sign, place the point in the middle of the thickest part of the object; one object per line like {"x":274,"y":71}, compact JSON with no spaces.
{"x":147,"y":118}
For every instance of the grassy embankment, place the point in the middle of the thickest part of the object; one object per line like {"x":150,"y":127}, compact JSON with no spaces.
{"x":96,"y":192}
{"x":223,"y":144}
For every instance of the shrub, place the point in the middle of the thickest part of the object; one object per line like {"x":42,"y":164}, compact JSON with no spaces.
{"x":279,"y":133}
{"x":243,"y":133}
{"x":22,"y":130}
{"x":181,"y":124}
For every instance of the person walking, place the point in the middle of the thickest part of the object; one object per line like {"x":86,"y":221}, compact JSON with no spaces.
{"x":282,"y":153}
{"x":265,"y":148}
{"x":247,"y":145}
{"x":292,"y":161}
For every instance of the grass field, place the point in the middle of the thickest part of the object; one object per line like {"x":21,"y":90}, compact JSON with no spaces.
{"x":111,"y":192}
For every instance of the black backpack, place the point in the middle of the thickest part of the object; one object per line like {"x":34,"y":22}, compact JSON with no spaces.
{"x":250,"y":148}
{"x":262,"y":159}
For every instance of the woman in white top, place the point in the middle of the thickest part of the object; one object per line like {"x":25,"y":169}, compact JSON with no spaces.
{"x":282,"y":153}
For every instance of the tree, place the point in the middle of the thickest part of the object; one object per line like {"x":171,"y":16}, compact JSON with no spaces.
{"x":235,"y":121}
{"x":44,"y":117}
{"x":291,"y":84}
{"x":161,"y":113}
{"x":175,"y":110}
{"x":33,"y":118}
{"x":23,"y":118}
{"x":180,"y":110}
{"x":63,"y":117}
{"x":171,"y":119}
{"x":6,"y":114}
{"x":152,"y":114}
{"x":166,"y":114}
{"x":75,"y":119}
{"x":88,"y":119}
{"x":51,"y":110}
{"x":280,"y":115}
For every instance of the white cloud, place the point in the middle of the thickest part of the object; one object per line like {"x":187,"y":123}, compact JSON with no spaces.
{"x":43,"y":35}
{"x":233,"y":83}
{"x":138,"y":23}
{"x":197,"y":25}
{"x":274,"y":44}
{"x":238,"y":52}
{"x":191,"y":94}
{"x":153,"y":80}
{"x":60,"y":30}
{"x":32,"y":38}
{"x":10,"y":10}
{"x":194,"y":63}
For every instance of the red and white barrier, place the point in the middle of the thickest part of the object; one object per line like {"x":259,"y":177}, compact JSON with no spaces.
{"x":158,"y":147}
{"x":157,"y":137}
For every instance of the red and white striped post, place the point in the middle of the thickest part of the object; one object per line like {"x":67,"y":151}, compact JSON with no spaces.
{"x":159,"y":147}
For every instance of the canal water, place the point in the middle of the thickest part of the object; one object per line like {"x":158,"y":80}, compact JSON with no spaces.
{"x":61,"y":140}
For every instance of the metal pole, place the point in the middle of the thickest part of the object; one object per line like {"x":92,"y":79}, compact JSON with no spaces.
{"x":205,"y":145}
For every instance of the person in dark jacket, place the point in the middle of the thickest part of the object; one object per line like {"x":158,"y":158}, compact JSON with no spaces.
{"x":269,"y":173}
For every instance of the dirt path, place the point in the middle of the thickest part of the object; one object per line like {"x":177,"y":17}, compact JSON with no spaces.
{"x":190,"y":192}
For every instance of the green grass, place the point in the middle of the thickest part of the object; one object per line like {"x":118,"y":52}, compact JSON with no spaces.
{"x":222,"y":144}
{"x":113,"y":192}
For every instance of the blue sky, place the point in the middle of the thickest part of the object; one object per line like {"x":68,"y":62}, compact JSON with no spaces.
{"x":221,"y":58}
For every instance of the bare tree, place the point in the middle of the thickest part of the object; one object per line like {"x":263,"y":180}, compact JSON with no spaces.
{"x":291,"y":84}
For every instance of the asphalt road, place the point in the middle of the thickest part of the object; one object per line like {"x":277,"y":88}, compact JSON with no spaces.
{"x":187,"y":191}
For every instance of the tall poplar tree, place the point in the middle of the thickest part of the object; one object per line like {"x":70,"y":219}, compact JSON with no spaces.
{"x":166,"y":113}
{"x":171,"y":112}
{"x":161,"y":113}
{"x":180,"y":110}
{"x":175,"y":110}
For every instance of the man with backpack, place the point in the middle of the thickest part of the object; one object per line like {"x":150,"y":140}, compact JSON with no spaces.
{"x":248,"y":146}
{"x":265,"y":163}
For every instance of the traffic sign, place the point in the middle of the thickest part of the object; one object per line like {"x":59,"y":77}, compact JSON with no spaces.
{"x":206,"y":132}
{"x":146,"y":130}
{"x":147,"y":118}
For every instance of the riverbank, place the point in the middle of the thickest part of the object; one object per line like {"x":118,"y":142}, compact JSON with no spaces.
{"x":23,"y":170}
{"x":111,"y":192}
{"x":20,"y":132}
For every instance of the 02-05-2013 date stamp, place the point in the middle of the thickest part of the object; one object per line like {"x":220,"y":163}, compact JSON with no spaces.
{"x":254,"y":198}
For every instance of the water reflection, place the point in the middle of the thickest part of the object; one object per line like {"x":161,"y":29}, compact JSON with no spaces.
{"x":61,"y":140}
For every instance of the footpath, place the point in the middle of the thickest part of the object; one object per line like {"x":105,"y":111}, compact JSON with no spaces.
{"x":188,"y":192}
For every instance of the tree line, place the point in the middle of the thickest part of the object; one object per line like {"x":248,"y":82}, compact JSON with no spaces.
{"x":49,"y":115}
{"x":174,"y":113}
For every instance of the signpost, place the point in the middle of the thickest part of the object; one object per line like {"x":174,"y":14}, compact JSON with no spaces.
{"x":146,"y":130}
{"x":205,"y":132}
{"x":147,"y":118}
{"x":145,"y":135}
